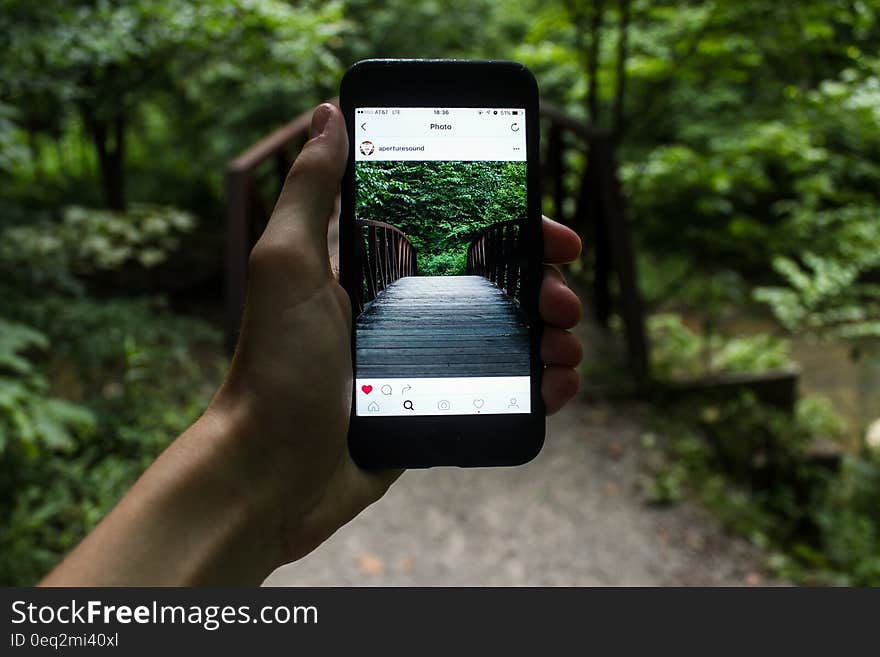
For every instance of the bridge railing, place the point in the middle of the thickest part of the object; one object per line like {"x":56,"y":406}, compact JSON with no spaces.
{"x":495,"y":254}
{"x":386,"y":255}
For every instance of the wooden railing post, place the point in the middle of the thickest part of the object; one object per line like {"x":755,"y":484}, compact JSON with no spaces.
{"x":555,"y":170}
{"x":386,"y":256}
{"x":619,"y":247}
{"x":247,"y":211}
{"x":494,"y":254}
{"x":237,"y":247}
{"x":588,"y":221}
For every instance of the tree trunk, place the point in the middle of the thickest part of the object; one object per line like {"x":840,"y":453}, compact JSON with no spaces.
{"x":593,"y":62}
{"x":622,"y":56}
{"x":108,"y":138}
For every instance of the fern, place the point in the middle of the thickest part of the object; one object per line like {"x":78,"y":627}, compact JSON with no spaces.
{"x":824,"y":297}
{"x":30,"y":420}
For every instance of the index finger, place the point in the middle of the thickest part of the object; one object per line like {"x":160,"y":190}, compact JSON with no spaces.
{"x":561,"y":244}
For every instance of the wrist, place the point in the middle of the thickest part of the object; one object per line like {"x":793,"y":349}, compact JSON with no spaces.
{"x":241,"y":465}
{"x":196,"y":516}
{"x":291,"y":448}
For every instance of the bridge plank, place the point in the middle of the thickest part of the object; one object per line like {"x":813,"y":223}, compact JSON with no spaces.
{"x":442,"y":326}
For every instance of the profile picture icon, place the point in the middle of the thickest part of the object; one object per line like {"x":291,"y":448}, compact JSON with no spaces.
{"x":367,"y":148}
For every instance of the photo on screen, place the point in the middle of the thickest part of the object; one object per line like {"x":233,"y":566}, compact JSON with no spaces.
{"x":442,"y":263}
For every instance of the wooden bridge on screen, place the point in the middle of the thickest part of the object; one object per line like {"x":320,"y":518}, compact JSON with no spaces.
{"x":441,"y":326}
{"x":472,"y":325}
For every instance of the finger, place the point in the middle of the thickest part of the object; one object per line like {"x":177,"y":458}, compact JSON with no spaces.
{"x":558,"y":305}
{"x":560,"y":347}
{"x":300,"y":220}
{"x":559,"y":385}
{"x":561,"y":244}
{"x":333,"y":238}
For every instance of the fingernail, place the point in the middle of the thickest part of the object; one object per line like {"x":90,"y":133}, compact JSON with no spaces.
{"x":320,"y":119}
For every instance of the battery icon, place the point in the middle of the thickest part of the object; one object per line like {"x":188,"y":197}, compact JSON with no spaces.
{"x":514,"y":112}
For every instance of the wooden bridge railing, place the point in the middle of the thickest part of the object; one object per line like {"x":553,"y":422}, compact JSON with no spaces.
{"x":591,"y":202}
{"x":495,"y":254}
{"x":386,"y":255}
{"x":580,"y":178}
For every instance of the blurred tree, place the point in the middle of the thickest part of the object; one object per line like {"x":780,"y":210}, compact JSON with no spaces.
{"x":680,"y":58}
{"x":105,"y":60}
{"x":746,"y":127}
{"x":431,"y":28}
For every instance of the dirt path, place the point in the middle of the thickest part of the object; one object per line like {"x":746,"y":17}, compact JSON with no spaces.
{"x":574,"y":516}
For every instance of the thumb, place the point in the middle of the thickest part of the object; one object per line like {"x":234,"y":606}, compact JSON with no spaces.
{"x":299,"y":222}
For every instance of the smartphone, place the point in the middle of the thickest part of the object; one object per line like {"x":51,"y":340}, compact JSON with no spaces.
{"x":440,"y":252}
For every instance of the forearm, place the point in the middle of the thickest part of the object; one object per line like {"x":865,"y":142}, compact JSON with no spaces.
{"x":201,"y":514}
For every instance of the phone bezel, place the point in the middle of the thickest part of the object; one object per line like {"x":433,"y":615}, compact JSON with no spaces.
{"x":462,"y":440}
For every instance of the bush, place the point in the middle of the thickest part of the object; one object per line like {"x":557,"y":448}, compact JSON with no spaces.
{"x":88,"y":240}
{"x":740,"y":193}
{"x":679,"y":352}
{"x":751,"y":464}
{"x":91,"y":389}
{"x":826,"y":297}
{"x":35,"y":428}
{"x":139,"y":380}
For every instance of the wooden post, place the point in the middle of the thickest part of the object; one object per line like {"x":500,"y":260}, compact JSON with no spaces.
{"x":620,"y":244}
{"x":371,"y":263}
{"x":602,"y":257}
{"x":554,"y":166}
{"x":588,"y":223}
{"x":238,"y":194}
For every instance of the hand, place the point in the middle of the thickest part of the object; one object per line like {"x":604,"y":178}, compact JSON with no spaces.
{"x":291,"y":376}
{"x":264,"y":476}
{"x":560,"y":309}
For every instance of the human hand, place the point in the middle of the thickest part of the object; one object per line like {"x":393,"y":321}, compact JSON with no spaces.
{"x":264,"y":476}
{"x":288,"y":392}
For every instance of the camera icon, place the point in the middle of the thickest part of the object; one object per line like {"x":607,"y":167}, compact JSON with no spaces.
{"x":443,"y":405}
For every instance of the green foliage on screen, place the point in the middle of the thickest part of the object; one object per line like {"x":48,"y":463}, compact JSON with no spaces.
{"x":441,"y":206}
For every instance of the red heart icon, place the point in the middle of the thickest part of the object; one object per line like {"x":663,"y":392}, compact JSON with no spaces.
{"x":367,"y":389}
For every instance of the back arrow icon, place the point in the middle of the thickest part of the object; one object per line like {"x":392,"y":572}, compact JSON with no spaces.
{"x":363,"y":126}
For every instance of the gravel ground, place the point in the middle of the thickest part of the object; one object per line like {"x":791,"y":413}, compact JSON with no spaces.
{"x":574,"y":516}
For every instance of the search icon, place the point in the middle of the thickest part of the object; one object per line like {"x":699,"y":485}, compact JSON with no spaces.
{"x":408,"y":405}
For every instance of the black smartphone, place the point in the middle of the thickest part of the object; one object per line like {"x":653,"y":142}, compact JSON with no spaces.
{"x":440,"y":251}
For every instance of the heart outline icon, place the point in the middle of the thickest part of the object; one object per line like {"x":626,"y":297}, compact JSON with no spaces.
{"x":479,"y":403}
{"x":367,"y":389}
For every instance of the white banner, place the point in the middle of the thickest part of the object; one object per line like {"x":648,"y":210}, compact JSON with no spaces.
{"x":453,"y":134}
{"x":489,"y":395}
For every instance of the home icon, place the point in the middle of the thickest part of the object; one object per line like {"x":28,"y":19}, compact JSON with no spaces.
{"x":373,"y":407}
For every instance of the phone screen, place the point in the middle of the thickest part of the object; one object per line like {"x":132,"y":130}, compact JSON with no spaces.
{"x":440,"y":205}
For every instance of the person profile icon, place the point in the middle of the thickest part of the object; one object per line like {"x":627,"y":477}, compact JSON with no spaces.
{"x":367,"y":148}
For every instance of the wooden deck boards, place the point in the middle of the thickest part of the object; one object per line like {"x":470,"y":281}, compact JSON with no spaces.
{"x":434,"y":326}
